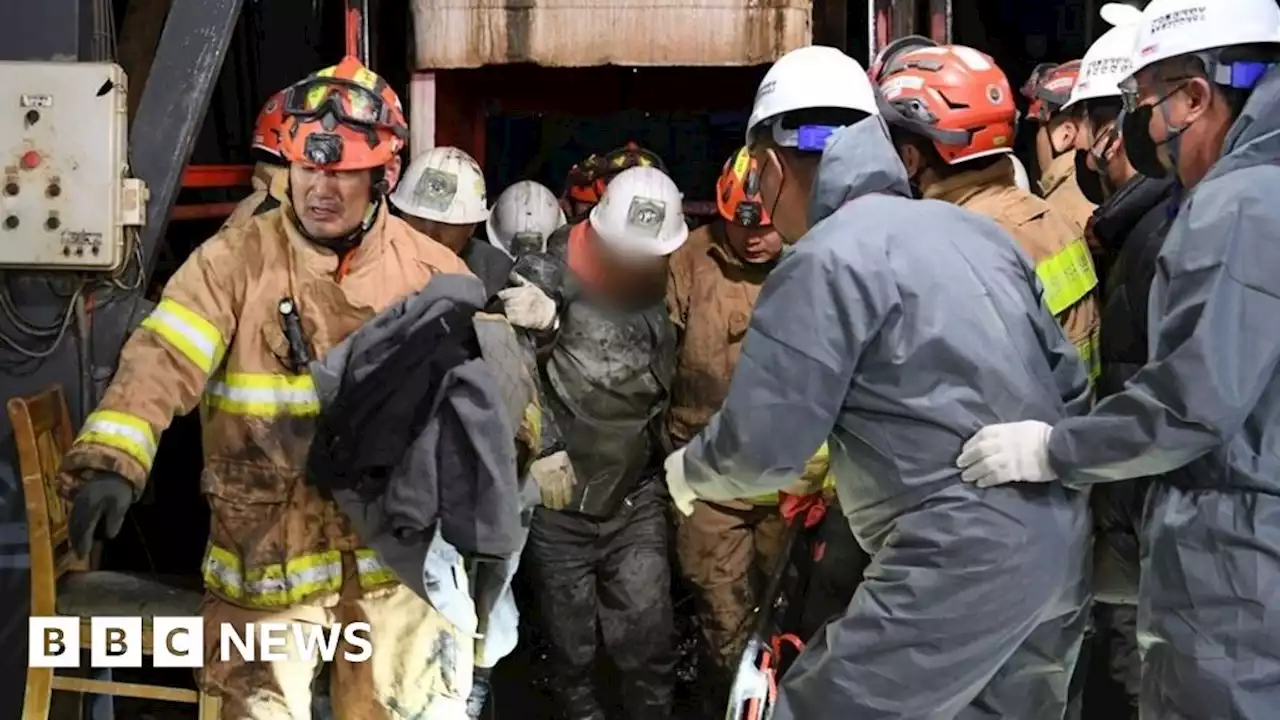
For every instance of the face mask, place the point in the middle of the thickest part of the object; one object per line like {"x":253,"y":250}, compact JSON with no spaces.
{"x":916,"y":192}
{"x":1089,"y":180}
{"x":1144,"y":152}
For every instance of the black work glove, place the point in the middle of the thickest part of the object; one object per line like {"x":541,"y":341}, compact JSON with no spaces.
{"x":479,"y":692}
{"x":102,"y":499}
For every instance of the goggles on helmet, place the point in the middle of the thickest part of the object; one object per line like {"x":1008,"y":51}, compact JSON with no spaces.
{"x":348,"y":102}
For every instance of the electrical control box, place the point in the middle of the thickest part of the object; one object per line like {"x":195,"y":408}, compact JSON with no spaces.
{"x":66,"y":201}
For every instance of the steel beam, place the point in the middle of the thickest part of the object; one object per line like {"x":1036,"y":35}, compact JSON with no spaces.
{"x":174,"y":102}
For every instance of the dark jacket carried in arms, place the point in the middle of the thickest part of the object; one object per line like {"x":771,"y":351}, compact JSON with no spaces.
{"x":418,"y":411}
{"x":489,"y":264}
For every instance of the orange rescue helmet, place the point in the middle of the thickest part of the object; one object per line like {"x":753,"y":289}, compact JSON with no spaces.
{"x":738,"y":193}
{"x":957,"y":97}
{"x":1049,"y":88}
{"x":268,"y":131}
{"x":343,"y":117}
{"x":588,"y":179}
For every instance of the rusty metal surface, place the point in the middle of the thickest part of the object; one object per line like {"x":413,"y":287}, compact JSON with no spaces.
{"x":584,"y":33}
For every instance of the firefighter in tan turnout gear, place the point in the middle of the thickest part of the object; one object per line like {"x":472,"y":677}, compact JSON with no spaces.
{"x":726,"y":549}
{"x":955,"y":142}
{"x":231,"y":334}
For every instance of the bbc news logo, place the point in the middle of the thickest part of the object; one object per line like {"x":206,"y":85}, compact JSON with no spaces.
{"x":55,"y":642}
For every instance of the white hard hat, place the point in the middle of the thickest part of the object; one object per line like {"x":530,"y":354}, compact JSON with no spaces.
{"x":1108,"y":61}
{"x":1118,"y":13}
{"x":1020,"y":177}
{"x":815,"y":76}
{"x":443,"y":184}
{"x":1171,"y":28}
{"x":641,"y":213}
{"x":524,"y":210}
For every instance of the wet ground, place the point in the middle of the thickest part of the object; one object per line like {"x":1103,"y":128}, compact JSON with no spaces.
{"x":520,"y":683}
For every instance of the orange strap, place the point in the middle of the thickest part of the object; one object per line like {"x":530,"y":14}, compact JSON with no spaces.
{"x":344,"y":264}
{"x":582,"y":256}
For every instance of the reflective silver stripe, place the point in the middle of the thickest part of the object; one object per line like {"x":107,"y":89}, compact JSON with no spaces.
{"x":193,"y":335}
{"x":263,"y":394}
{"x":297,"y":579}
{"x":368,"y":565}
{"x":280,"y":395}
{"x":111,"y":427}
{"x":115,"y":428}
{"x":226,"y":574}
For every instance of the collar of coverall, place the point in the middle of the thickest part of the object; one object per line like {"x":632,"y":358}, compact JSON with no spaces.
{"x":1062,"y":169}
{"x":324,"y":261}
{"x":962,"y":186}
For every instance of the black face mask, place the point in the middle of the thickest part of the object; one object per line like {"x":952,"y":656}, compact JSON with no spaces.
{"x":916,"y":192}
{"x":1142,"y":151}
{"x":1089,"y":180}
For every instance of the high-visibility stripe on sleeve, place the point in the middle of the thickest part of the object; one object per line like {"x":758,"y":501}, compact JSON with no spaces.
{"x":372,"y":571}
{"x":1088,"y":347}
{"x":190,"y":334}
{"x":128,"y":433}
{"x":263,"y":394}
{"x":1067,"y":276}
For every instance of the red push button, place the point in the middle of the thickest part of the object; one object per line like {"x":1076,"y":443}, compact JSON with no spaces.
{"x":31,"y":160}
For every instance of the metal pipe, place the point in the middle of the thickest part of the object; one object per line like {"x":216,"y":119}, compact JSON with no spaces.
{"x":216,"y":176}
{"x":358,"y":31}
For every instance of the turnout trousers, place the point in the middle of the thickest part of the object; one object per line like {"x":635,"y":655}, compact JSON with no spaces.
{"x":420,"y":665}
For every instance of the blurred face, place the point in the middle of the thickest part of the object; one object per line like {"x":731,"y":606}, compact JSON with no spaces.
{"x":1173,"y":124}
{"x":332,"y":204}
{"x":783,"y":192}
{"x":755,"y":245}
{"x":629,"y":282}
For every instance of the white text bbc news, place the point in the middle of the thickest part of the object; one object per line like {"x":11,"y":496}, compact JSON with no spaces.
{"x":179,"y":642}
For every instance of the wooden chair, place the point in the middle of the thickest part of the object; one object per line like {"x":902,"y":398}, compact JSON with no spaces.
{"x":61,"y":585}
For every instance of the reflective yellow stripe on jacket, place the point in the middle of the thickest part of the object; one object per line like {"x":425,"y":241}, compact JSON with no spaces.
{"x":1067,"y":276}
{"x":263,"y":394}
{"x":291,"y":583}
{"x":190,"y":334}
{"x":1090,"y":352}
{"x":127,"y":433}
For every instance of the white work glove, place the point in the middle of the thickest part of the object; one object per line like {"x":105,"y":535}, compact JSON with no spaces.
{"x":1008,"y":452}
{"x":526,"y":306}
{"x":681,"y":494}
